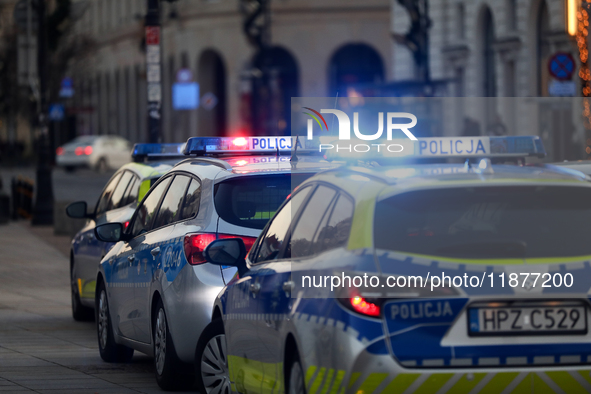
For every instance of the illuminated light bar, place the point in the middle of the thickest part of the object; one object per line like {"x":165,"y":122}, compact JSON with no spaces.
{"x":141,"y":152}
{"x":436,"y":147}
{"x":240,"y":145}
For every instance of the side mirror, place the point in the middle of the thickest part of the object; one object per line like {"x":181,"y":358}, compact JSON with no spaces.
{"x":77,"y":210}
{"x":109,"y":232}
{"x":229,"y":251}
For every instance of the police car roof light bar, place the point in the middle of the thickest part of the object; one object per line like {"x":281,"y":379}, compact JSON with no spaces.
{"x":201,"y":146}
{"x":147,"y":151}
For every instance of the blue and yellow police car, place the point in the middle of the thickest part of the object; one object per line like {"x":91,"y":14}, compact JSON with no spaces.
{"x":426,"y":278}
{"x":117,"y":202}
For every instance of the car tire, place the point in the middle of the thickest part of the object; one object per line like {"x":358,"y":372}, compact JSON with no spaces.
{"x":295,"y":383}
{"x":79,"y":311}
{"x":211,"y":360}
{"x":171,"y":373}
{"x":101,"y":165}
{"x":109,"y":350}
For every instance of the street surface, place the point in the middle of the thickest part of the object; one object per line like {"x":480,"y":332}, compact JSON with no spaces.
{"x":42,"y":349}
{"x":83,"y":184}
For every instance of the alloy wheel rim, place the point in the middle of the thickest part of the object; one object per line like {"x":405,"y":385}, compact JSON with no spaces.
{"x":214,"y":366}
{"x":160,"y":341}
{"x":103,"y":319}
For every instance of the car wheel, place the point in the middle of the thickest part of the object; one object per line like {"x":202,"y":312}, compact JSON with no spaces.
{"x":295,"y":380}
{"x":109,"y":350}
{"x":79,"y":311}
{"x":102,"y":166}
{"x":171,"y":373}
{"x":211,"y":360}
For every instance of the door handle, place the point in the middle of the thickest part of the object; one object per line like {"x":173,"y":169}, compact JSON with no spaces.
{"x":288,"y":286}
{"x":255,"y":288}
{"x":155,"y":252}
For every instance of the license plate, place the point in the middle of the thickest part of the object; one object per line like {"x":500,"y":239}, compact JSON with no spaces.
{"x":548,"y":318}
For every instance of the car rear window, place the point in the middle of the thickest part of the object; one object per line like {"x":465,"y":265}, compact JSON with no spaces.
{"x":250,"y":201}
{"x":487,"y":222}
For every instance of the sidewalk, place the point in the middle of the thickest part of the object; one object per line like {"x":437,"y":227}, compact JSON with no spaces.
{"x":42,"y":349}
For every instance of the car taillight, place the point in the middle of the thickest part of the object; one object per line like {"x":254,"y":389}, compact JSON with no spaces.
{"x":59,"y":151}
{"x":88,"y":150}
{"x":362,"y":305}
{"x":195,"y":244}
{"x":79,"y":151}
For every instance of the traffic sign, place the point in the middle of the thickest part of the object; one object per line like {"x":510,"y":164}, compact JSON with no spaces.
{"x":562,"y":66}
{"x":67,"y":88}
{"x":184,"y":75}
{"x":56,"y":112}
{"x":152,"y":35}
{"x":209,"y":101}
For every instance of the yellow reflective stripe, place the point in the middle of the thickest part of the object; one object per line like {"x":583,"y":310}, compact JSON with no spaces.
{"x":337,"y":382}
{"x":309,"y":373}
{"x":317,"y":381}
{"x":540,"y":387}
{"x":433,"y":383}
{"x":361,"y":235}
{"x":465,"y":385}
{"x":499,"y":382}
{"x":144,"y":187}
{"x":327,"y":382}
{"x":586,"y":375}
{"x":524,"y":387}
{"x":353,"y":379}
{"x":400,"y":383}
{"x":371,"y":383}
{"x":566,"y":382}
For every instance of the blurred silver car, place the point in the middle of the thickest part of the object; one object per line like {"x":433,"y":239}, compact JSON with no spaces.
{"x":93,"y":151}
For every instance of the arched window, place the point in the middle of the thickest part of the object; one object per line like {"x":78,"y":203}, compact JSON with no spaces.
{"x":489,"y":74}
{"x":212,"y":89}
{"x":275,"y":80}
{"x":353,"y":66}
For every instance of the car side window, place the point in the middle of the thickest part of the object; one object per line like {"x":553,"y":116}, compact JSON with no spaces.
{"x":270,"y":244}
{"x":145,"y":213}
{"x":171,"y":204}
{"x":107,"y":193}
{"x":131,"y":192}
{"x":192,"y":200}
{"x":334,"y":233}
{"x":117,"y":196}
{"x":317,"y":208}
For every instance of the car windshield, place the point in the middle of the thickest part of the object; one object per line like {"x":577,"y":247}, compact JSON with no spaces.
{"x":250,"y":201}
{"x":487,"y":222}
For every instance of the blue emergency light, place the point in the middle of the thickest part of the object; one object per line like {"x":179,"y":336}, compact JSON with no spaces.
{"x":435,"y":148}
{"x":149,"y":151}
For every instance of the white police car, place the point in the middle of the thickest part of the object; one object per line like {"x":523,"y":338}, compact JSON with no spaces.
{"x":155,"y":291}
{"x":450,"y":278}
{"x":117,"y":203}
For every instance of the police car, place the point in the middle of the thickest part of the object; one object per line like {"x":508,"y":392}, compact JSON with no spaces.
{"x":155,"y":291}
{"x":117,"y":202}
{"x":451,"y":278}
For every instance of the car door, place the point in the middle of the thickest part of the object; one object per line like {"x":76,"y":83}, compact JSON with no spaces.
{"x":89,"y":252}
{"x":247,"y":369}
{"x":276,"y":284}
{"x":157,"y":254}
{"x":131,"y":258}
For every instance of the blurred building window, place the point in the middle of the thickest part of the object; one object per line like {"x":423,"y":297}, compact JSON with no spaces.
{"x":489,"y":74}
{"x":212,"y":82}
{"x":461,"y":20}
{"x":355,"y":66}
{"x":511,"y":15}
{"x":460,"y":81}
{"x":510,"y":80}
